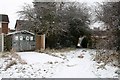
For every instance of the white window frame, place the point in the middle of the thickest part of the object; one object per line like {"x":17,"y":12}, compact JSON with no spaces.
{"x":21,"y":38}
{"x":27,"y":38}
{"x":31,"y":38}
{"x":16,"y":38}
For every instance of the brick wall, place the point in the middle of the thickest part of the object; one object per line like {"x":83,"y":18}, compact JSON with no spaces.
{"x":5,"y":28}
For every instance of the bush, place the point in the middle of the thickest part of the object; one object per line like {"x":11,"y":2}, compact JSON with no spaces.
{"x":106,"y":57}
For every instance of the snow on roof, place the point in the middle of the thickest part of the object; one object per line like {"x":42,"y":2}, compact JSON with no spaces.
{"x":20,"y":32}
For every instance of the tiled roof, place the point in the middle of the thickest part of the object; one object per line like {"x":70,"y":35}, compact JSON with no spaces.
{"x":4,"y":18}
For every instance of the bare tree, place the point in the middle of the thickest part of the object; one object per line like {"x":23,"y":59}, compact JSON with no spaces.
{"x":109,"y":13}
{"x":58,"y":20}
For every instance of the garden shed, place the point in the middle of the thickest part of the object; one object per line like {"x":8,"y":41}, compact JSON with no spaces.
{"x":20,"y":41}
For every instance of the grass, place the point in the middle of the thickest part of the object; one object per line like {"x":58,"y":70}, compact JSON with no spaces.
{"x":12,"y":55}
{"x":4,"y":54}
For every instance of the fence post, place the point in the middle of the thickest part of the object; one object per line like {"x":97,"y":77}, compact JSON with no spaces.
{"x":43,"y":42}
{"x":2,"y":42}
{"x":40,"y":42}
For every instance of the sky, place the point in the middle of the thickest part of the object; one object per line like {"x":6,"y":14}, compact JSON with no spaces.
{"x":10,"y":7}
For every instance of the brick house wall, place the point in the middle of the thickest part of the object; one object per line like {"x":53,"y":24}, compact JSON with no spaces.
{"x":4,"y":20}
{"x":4,"y":28}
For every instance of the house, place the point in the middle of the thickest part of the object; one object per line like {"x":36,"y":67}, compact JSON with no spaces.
{"x":11,"y":30}
{"x":20,"y":41}
{"x":98,"y":36}
{"x":99,"y":33}
{"x":23,"y":25}
{"x":4,"y":21}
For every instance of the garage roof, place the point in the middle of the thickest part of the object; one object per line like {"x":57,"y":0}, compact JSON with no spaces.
{"x":22,"y":31}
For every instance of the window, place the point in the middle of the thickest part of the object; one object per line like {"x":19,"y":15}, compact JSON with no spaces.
{"x":16,"y":37}
{"x":31,"y":38}
{"x":21,"y":38}
{"x":27,"y":38}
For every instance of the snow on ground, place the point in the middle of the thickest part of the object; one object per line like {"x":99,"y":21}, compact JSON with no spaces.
{"x":73,"y":64}
{"x":76,"y":67}
{"x":34,"y":57}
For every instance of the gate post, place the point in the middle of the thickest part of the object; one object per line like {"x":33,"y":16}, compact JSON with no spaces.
{"x":2,"y":42}
{"x":43,"y":42}
{"x":40,"y":42}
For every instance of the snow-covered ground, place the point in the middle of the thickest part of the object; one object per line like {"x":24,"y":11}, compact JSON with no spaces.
{"x":73,"y":64}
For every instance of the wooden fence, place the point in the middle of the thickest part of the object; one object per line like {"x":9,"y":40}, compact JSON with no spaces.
{"x":40,"y":42}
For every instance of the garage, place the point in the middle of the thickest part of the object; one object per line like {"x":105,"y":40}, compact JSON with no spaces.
{"x":21,"y":41}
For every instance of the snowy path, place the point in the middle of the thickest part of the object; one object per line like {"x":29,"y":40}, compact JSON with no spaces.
{"x":73,"y":64}
{"x":74,"y":68}
{"x":34,"y":57}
